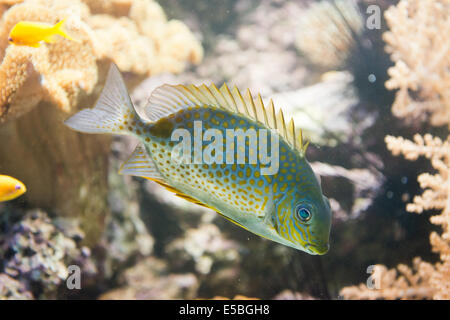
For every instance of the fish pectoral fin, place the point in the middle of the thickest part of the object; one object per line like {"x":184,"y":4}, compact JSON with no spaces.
{"x":232,"y":220}
{"x":141,"y":165}
{"x":240,"y":225}
{"x":191,"y":199}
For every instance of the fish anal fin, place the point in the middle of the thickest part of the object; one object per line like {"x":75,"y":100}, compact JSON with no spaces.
{"x":180,"y":194}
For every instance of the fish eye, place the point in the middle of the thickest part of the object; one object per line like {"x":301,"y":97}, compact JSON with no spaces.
{"x":18,"y":187}
{"x":10,"y":39}
{"x":303,"y":213}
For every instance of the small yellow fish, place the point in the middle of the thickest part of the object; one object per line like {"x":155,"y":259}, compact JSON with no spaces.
{"x":27,"y":33}
{"x":10,"y":188}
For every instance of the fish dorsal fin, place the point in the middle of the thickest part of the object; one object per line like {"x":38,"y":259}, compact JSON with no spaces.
{"x":169,"y":99}
{"x":141,"y":165}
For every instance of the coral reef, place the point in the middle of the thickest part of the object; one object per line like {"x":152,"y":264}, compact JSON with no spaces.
{"x":150,"y":244}
{"x":39,"y":87}
{"x":424,"y":280}
{"x":421,"y":75}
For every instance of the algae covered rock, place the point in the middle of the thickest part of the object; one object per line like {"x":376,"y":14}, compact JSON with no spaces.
{"x":11,"y":289}
{"x":149,"y":279}
{"x":36,"y":253}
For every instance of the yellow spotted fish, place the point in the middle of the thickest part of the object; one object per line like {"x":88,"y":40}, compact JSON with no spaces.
{"x":32,"y":34}
{"x":211,"y":146}
{"x":10,"y":188}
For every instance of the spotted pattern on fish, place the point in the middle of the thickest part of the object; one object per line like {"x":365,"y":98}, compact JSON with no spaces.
{"x":287,"y":207}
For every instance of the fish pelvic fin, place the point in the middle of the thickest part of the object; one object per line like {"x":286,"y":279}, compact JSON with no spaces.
{"x":58,"y":28}
{"x":140,"y":164}
{"x":113,"y":113}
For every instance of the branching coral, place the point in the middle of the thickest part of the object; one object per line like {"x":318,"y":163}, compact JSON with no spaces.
{"x":419,"y":46}
{"x":423,"y":280}
{"x":436,"y":196}
{"x":393,"y":284}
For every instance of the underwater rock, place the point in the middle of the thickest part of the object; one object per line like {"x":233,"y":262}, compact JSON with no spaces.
{"x":149,"y":279}
{"x":63,"y":170}
{"x":267,"y":63}
{"x":37,"y":253}
{"x":205,"y":248}
{"x":126,"y":236}
{"x":365,"y":184}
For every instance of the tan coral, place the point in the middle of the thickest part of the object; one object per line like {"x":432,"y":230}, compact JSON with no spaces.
{"x":419,"y":45}
{"x":423,"y":281}
{"x":394,"y":284}
{"x":40,"y":87}
{"x":422,"y":59}
{"x":142,"y":42}
{"x":57,"y":72}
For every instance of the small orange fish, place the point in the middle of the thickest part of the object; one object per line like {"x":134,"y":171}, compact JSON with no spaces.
{"x":27,"y":33}
{"x":10,"y":188}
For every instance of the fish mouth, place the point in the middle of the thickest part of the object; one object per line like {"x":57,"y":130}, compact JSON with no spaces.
{"x":318,"y":249}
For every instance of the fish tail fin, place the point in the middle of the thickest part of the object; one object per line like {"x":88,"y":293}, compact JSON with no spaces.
{"x":111,"y":113}
{"x":59,"y":29}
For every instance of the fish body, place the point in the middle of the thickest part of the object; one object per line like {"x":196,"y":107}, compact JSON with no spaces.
{"x":10,"y":188}
{"x":32,"y":34}
{"x":197,"y":143}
